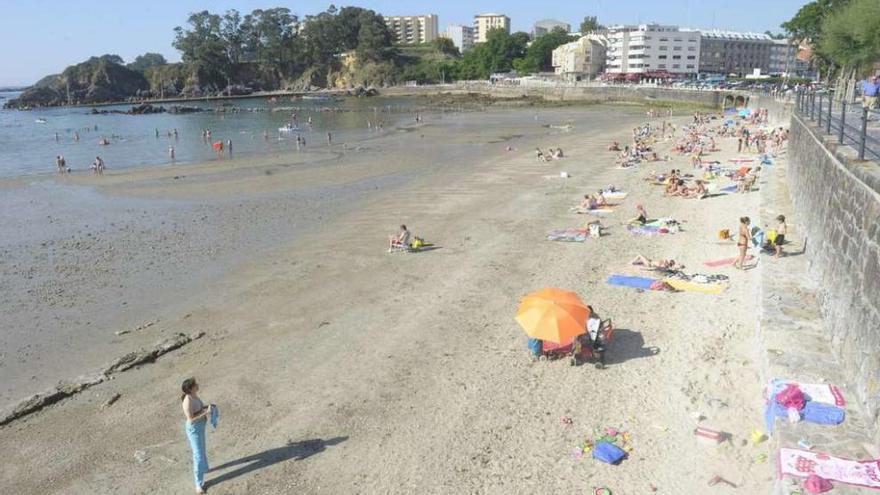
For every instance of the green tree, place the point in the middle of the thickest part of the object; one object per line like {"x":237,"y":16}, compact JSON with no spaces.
{"x":147,"y":60}
{"x":807,"y":23}
{"x":589,"y":24}
{"x":202,"y":48}
{"x":374,"y":38}
{"x":850,"y":37}
{"x":495,"y":55}
{"x":539,"y":55}
{"x":447,"y":47}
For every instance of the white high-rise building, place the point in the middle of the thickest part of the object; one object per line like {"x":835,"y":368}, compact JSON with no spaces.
{"x":485,"y":22}
{"x":413,"y":29}
{"x":651,"y":48}
{"x":462,"y":36}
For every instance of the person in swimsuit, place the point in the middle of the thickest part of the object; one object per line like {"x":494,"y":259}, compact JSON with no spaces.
{"x":742,"y":243}
{"x":661,"y":265}
{"x":197,"y":415}
{"x":400,"y":240}
{"x":781,"y":228}
{"x":642,"y":219}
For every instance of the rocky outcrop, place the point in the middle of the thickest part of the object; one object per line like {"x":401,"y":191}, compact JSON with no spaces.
{"x":97,"y":80}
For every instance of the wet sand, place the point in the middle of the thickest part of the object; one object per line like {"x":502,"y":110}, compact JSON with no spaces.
{"x":342,"y":369}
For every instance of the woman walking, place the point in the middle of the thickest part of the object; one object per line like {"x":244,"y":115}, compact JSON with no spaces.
{"x":196,"y":420}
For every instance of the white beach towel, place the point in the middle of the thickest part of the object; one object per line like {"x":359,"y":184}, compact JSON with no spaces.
{"x":819,"y":392}
{"x":801,"y":464}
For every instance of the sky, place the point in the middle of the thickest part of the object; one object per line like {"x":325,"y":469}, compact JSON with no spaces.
{"x":40,"y":37}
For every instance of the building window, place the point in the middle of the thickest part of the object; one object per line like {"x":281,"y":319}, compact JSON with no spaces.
{"x":690,"y":66}
{"x":676,"y":48}
{"x":662,"y":66}
{"x":676,"y":66}
{"x":691,"y":57}
{"x":692,"y":49}
{"x":662,"y":57}
{"x":664,"y":39}
{"x":663,"y":48}
{"x":676,"y":57}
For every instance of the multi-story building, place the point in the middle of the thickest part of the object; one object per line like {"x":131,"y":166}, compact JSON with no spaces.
{"x":728,"y":52}
{"x":413,"y":29}
{"x":483,"y":23}
{"x":544,"y":26}
{"x":461,"y":36}
{"x":784,"y":59}
{"x":651,"y":48}
{"x":581,"y":59}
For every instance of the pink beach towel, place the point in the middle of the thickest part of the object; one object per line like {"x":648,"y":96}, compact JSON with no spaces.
{"x":725,"y":261}
{"x":801,"y":464}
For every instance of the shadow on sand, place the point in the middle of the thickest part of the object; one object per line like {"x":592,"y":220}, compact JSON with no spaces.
{"x":292,"y":451}
{"x":627,"y":345}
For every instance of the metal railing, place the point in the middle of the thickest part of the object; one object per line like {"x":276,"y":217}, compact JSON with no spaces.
{"x":846,"y":120}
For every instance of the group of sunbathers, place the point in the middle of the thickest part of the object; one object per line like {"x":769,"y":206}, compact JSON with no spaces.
{"x":552,"y":154}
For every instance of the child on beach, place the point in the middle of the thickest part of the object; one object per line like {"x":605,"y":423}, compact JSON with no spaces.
{"x":781,"y":229}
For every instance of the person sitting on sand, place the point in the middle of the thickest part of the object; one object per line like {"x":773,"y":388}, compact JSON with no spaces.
{"x":649,"y":264}
{"x":699,"y":191}
{"x":642,"y":217}
{"x":558,"y":155}
{"x":399,"y":240}
{"x":600,"y":199}
{"x":540,"y":155}
{"x":589,"y":202}
{"x":614,"y":146}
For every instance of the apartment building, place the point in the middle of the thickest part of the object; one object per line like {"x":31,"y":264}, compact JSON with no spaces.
{"x":729,"y":52}
{"x":544,"y":26}
{"x":462,"y":36}
{"x":581,"y":59}
{"x":784,"y":59}
{"x":485,"y":22}
{"x":651,"y":48}
{"x":413,"y":29}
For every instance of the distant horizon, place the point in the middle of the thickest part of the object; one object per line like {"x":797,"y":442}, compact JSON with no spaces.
{"x":61,"y":35}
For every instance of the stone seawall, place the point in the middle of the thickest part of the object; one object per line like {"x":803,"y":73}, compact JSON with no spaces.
{"x":838,"y":202}
{"x":597,"y":94}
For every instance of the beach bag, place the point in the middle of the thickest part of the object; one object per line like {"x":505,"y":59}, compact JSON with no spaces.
{"x":791,"y":397}
{"x":595,"y":230}
{"x":771,"y":236}
{"x":536,"y":347}
{"x":417,"y":243}
{"x":817,"y":484}
{"x":608,"y":452}
{"x":724,"y":234}
{"x":823,"y":414}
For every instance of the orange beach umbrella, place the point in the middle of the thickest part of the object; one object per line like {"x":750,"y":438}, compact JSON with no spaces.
{"x":554,"y":315}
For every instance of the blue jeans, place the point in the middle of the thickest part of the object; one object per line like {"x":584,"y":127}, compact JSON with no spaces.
{"x":195,"y":432}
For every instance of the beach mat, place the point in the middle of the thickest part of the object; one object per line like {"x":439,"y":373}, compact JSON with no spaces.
{"x":634,"y":282}
{"x":568,"y":235}
{"x":725,"y":261}
{"x":686,"y":286}
{"x":729,"y":189}
{"x":802,"y":463}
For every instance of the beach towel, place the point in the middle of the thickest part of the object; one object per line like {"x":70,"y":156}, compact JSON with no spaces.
{"x":729,"y":189}
{"x":801,"y":464}
{"x":614,"y":194}
{"x":568,"y":235}
{"x":818,"y":392}
{"x":600,"y":211}
{"x":635,"y":282}
{"x":724,"y":261}
{"x":687,"y":286}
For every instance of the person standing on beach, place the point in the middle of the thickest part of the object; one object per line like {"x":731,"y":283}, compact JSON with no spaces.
{"x":171,"y":152}
{"x":197,"y":415}
{"x":157,"y":133}
{"x":742,"y":242}
{"x":229,"y":146}
{"x":329,"y":139}
{"x":59,"y":164}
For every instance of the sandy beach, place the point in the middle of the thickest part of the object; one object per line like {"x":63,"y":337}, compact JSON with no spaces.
{"x":340,"y":368}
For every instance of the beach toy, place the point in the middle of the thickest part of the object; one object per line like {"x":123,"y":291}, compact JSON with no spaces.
{"x":602,"y":491}
{"x":760,"y":458}
{"x":757,"y":436}
{"x":708,"y":435}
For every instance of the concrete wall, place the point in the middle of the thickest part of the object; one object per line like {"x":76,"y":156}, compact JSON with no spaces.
{"x":838,"y":201}
{"x":599,"y":94}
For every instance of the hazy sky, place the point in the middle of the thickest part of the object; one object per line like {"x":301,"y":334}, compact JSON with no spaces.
{"x":40,"y":37}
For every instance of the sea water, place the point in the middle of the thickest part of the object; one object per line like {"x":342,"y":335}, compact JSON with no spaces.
{"x":28,"y":142}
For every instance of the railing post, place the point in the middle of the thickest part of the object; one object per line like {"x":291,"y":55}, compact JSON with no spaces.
{"x":819,"y":122}
{"x":828,"y":117}
{"x":864,"y":134}
{"x":842,"y":121}
{"x":813,"y":106}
